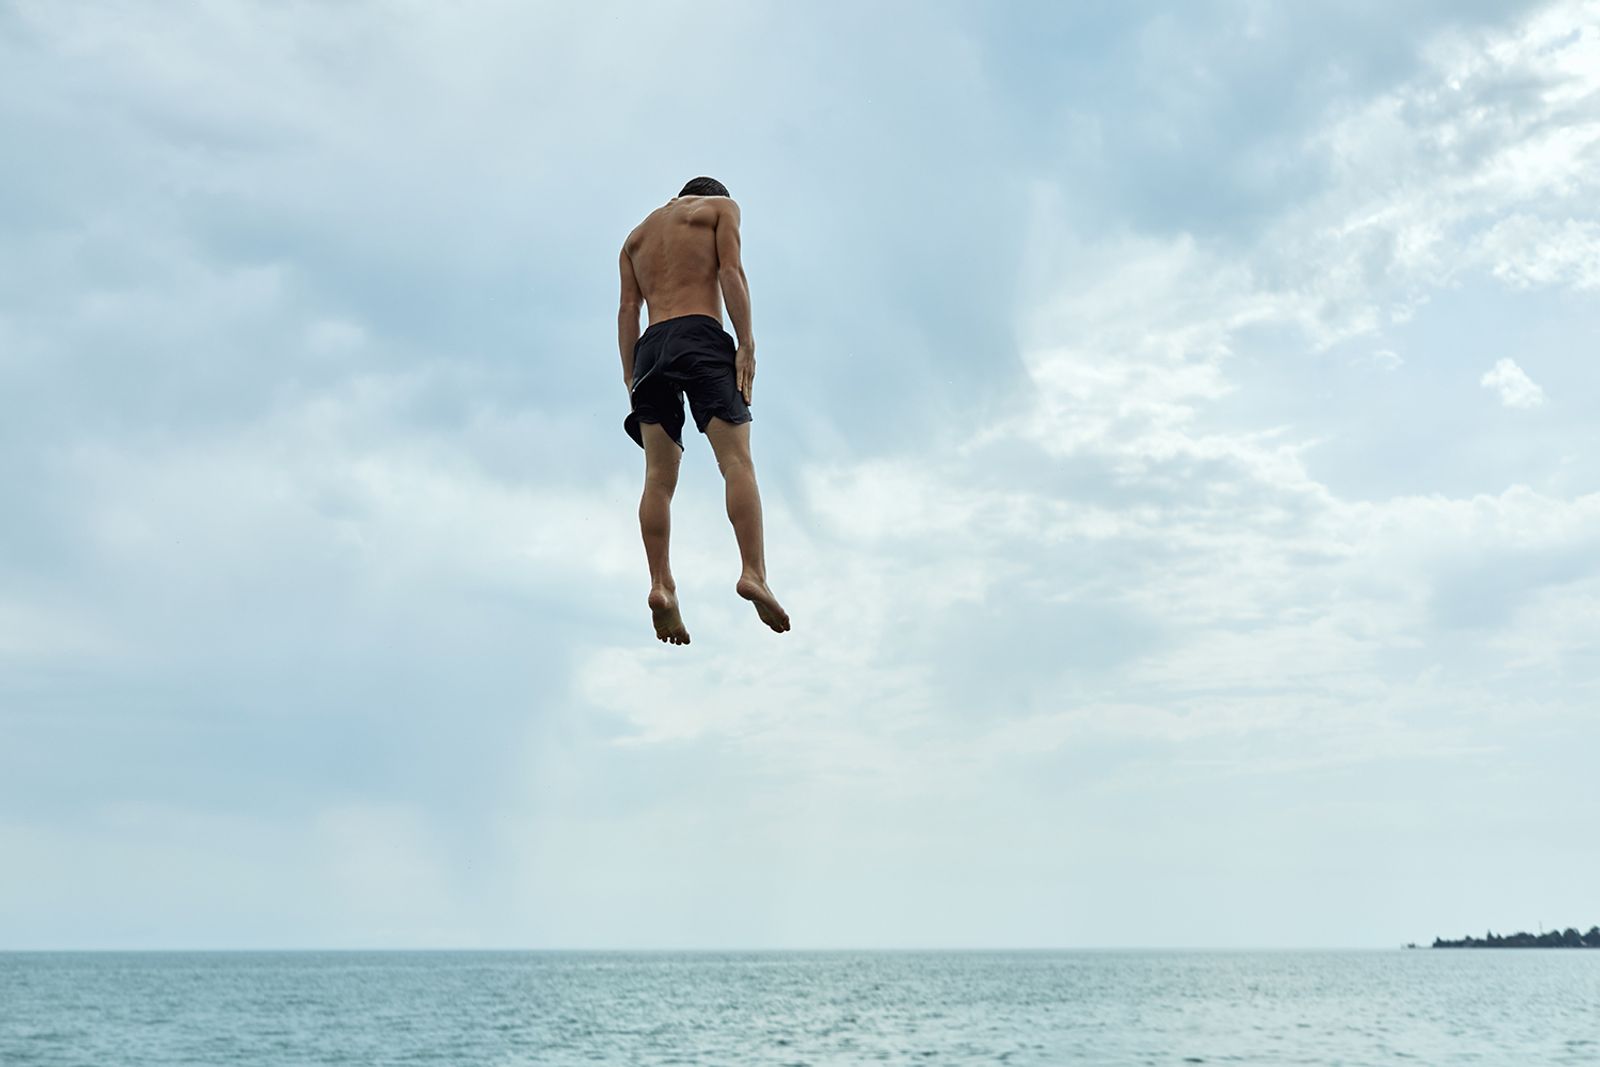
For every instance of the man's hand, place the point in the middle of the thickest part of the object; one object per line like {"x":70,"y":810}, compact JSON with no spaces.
{"x":744,"y":370}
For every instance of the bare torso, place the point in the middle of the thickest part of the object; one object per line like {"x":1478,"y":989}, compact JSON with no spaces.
{"x":674,"y":255}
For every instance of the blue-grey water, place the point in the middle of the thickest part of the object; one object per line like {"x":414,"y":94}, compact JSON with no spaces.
{"x":468,"y":1008}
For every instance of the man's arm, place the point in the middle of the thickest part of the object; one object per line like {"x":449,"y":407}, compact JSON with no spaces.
{"x":628,"y":317}
{"x":736,"y":295}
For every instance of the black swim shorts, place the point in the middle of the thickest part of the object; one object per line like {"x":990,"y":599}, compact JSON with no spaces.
{"x":690,"y":354}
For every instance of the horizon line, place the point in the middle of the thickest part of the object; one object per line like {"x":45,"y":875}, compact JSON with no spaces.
{"x":702,"y":950}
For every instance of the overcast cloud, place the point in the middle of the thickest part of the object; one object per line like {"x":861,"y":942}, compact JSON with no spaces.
{"x":1176,"y":427}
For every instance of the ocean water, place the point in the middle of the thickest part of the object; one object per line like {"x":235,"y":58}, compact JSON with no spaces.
{"x":469,"y":1008}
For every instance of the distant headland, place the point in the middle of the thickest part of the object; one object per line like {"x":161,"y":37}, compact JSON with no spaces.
{"x":1568,"y":938}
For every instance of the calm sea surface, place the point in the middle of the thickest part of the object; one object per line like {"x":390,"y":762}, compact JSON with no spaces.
{"x":469,"y":1008}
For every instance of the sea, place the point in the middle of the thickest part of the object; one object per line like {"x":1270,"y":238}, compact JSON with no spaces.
{"x":462,"y":1009}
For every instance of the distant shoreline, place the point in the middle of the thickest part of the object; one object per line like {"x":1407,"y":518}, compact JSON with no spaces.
{"x":1568,"y":938}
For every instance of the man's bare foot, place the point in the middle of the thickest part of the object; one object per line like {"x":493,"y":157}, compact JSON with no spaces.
{"x":664,"y":611}
{"x":755,"y":590}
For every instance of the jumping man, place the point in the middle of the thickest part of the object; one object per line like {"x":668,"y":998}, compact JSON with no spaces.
{"x":675,"y":262}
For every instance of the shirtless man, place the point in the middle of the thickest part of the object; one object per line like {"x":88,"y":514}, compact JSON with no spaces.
{"x":674,"y":262}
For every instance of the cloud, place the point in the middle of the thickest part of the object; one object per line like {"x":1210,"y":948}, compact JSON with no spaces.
{"x":1279,"y":625}
{"x":1527,"y":251}
{"x":1382,"y":358}
{"x":1110,"y":557}
{"x":1512,"y":383}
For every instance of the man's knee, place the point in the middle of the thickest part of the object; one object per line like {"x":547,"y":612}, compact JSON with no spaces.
{"x":661,"y":478}
{"x":734,"y":462}
{"x":732,"y":445}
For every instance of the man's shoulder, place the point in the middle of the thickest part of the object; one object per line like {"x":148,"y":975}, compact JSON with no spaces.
{"x":718,"y":205}
{"x":698,"y":212}
{"x":636,"y":234}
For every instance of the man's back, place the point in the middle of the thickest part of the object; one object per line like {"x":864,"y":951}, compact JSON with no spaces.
{"x":675,"y":255}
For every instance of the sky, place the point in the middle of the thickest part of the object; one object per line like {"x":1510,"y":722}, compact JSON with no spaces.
{"x":1175,"y":424}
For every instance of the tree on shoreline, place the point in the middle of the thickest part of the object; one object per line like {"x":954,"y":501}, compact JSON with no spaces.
{"x":1568,"y":938}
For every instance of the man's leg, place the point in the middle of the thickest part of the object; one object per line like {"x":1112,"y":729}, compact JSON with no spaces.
{"x":732,"y":445}
{"x":661,"y":458}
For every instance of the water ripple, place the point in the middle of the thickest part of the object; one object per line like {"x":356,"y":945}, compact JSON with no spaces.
{"x":788,"y":1009}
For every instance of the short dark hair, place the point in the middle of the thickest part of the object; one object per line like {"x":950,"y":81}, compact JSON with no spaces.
{"x":703,"y":186}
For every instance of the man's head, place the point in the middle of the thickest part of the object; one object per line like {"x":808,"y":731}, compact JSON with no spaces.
{"x":703,"y":186}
